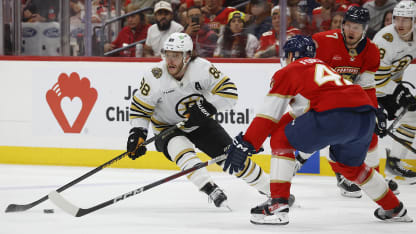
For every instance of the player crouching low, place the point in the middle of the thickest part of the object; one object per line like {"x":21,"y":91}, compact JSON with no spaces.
{"x":326,"y":110}
{"x":185,"y":87}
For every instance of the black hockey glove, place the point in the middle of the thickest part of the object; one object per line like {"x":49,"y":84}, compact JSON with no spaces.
{"x":136,"y":138}
{"x":381,"y":123}
{"x":237,"y":153}
{"x":199,"y":112}
{"x":403,"y":97}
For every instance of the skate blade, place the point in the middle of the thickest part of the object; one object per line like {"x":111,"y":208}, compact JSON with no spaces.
{"x":403,"y":219}
{"x":356,"y":194}
{"x":260,"y":219}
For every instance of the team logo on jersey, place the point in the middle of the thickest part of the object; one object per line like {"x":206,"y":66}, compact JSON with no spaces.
{"x":388,"y":37}
{"x":185,"y":103}
{"x":157,"y":72}
{"x":71,"y":100}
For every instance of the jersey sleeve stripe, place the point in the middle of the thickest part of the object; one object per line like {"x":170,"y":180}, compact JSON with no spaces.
{"x":267,"y":117}
{"x":159,"y":126}
{"x":227,"y":95}
{"x":141,"y":103}
{"x":382,"y":83}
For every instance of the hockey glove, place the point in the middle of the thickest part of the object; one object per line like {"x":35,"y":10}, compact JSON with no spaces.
{"x":136,"y":138}
{"x":403,"y":97}
{"x":381,"y":123}
{"x":199,"y":112}
{"x":237,"y":153}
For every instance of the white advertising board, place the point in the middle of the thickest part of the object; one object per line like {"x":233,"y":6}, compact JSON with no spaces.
{"x":84,"y":104}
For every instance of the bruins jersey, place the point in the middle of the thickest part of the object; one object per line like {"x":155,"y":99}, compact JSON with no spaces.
{"x":162,"y":100}
{"x":395,"y":57}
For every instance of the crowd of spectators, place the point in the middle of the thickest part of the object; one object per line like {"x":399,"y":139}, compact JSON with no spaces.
{"x":219,"y":28}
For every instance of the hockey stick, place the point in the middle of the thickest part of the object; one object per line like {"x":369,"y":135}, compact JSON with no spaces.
{"x":18,"y":208}
{"x":73,"y":210}
{"x":398,"y":118}
{"x":396,"y":138}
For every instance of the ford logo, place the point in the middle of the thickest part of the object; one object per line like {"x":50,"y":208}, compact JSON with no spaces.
{"x":29,"y":32}
{"x":51,"y":32}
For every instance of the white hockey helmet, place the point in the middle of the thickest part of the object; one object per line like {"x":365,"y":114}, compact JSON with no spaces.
{"x":405,"y":8}
{"x":179,"y":42}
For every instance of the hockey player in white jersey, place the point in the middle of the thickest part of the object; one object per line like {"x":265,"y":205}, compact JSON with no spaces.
{"x":187,"y":88}
{"x":397,"y":44}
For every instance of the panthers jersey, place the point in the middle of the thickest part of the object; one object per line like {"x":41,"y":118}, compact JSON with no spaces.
{"x":163,"y":100}
{"x":356,"y":65}
{"x":305,"y":84}
{"x":395,"y":56}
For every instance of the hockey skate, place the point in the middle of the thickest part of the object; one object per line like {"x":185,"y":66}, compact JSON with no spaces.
{"x":216,"y":195}
{"x":348,"y":188}
{"x":395,"y":167}
{"x":272,"y":212}
{"x":398,"y":214}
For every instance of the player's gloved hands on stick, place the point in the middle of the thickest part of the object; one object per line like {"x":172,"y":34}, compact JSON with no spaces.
{"x":381,"y":123}
{"x":136,"y":138}
{"x":199,"y":112}
{"x":237,"y":153}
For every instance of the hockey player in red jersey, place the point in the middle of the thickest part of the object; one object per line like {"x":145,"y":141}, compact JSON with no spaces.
{"x":349,"y":52}
{"x":326,"y":110}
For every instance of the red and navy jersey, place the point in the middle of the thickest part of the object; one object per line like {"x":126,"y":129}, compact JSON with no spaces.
{"x":305,"y":84}
{"x":349,"y":63}
{"x":356,"y":65}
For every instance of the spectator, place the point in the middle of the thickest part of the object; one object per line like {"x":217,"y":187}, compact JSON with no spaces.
{"x":269,"y":41}
{"x":387,"y":19}
{"x":236,"y":43}
{"x":321,"y":16}
{"x":161,"y":30}
{"x":77,"y":11}
{"x":260,"y":20}
{"x":100,"y":10}
{"x":31,"y":14}
{"x":299,"y":17}
{"x":377,"y":8}
{"x":136,"y":30}
{"x":215,"y":14}
{"x":204,"y":39}
{"x":47,"y":9}
{"x":336,"y":21}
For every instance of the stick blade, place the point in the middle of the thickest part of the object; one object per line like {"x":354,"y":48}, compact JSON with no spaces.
{"x":14,"y":208}
{"x":63,"y":204}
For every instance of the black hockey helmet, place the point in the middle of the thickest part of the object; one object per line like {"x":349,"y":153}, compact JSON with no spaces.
{"x":357,"y":14}
{"x":300,"y":46}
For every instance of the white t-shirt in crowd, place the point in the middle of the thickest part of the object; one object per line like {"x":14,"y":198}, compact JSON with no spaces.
{"x":156,"y":38}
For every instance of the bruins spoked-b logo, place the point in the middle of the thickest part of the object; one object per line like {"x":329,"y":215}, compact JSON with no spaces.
{"x":185,"y":103}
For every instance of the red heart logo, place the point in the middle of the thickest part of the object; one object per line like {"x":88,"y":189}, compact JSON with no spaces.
{"x":71,"y":87}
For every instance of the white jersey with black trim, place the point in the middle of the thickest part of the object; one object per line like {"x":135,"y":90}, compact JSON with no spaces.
{"x":395,"y":57}
{"x":163,"y":100}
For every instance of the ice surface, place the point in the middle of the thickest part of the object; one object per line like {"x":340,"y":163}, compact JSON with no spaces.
{"x":178,"y":207}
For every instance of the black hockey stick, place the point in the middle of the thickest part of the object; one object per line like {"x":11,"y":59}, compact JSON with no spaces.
{"x":73,"y":210}
{"x":18,"y":208}
{"x":398,"y":118}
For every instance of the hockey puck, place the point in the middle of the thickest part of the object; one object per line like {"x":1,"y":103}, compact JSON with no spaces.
{"x":48,"y":211}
